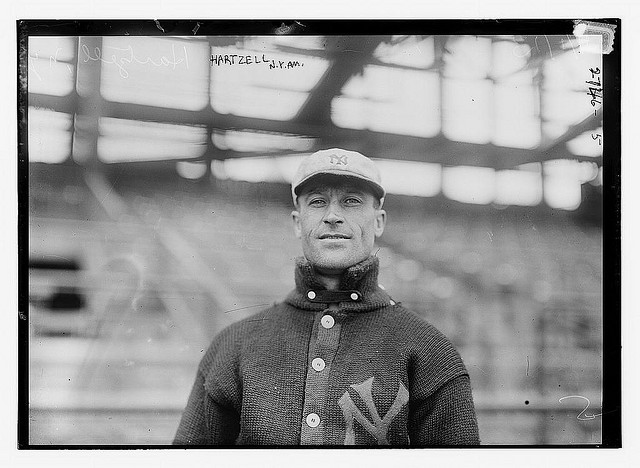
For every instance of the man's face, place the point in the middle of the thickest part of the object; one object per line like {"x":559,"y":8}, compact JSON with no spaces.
{"x":337,"y":221}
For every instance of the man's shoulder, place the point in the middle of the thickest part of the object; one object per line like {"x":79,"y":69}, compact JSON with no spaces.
{"x":414,"y":324}
{"x":435,"y":356}
{"x":264,"y":320}
{"x":421,"y":336}
{"x":227,"y":342}
{"x":250,"y":322}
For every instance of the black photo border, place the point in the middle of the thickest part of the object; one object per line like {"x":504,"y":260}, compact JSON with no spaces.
{"x":612,"y":368}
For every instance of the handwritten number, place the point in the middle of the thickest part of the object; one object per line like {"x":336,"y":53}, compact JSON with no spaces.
{"x":583,"y":416}
{"x":595,"y":90}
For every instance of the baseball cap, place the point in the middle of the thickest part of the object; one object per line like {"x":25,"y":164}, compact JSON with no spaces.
{"x":338,"y":162}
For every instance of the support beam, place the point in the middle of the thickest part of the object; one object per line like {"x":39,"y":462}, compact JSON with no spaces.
{"x":348,"y":55}
{"x":90,"y":107}
{"x":592,"y":122}
{"x":375,"y":144}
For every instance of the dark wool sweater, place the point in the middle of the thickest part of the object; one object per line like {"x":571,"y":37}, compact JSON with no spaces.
{"x":331,"y":368}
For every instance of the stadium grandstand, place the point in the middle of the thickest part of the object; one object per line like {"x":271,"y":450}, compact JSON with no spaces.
{"x":159,"y":212}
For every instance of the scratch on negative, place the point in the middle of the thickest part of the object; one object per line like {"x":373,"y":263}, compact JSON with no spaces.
{"x":246,"y":307}
{"x":549,"y":44}
{"x":480,"y":369}
{"x":263,"y":318}
{"x":573,"y":49}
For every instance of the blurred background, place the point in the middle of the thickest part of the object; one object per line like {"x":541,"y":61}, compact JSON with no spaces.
{"x":159,"y":213}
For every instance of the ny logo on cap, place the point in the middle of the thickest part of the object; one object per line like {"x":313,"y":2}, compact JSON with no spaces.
{"x":338,"y":159}
{"x":377,"y":427}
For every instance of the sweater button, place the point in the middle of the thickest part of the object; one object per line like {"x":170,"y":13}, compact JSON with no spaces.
{"x":354,"y":296}
{"x":313,"y":420}
{"x":311,"y":295}
{"x":327,"y":321}
{"x":318,"y":364}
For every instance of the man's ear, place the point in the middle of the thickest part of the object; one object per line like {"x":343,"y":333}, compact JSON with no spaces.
{"x":380,"y":222}
{"x":297,"y":229}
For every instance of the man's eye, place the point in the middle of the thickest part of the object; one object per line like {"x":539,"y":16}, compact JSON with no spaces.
{"x":352,"y":201}
{"x":316,"y":202}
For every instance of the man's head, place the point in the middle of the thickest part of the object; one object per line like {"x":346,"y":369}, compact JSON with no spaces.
{"x":338,"y":198}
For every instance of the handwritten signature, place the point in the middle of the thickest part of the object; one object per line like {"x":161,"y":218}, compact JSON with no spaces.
{"x":583,"y":416}
{"x":126,"y":56}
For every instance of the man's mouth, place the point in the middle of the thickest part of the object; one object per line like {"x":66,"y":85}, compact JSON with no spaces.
{"x":334,"y":236}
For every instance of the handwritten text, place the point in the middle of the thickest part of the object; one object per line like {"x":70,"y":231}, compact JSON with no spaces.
{"x":239,"y":59}
{"x":33,"y":60}
{"x":595,"y":88}
{"x":583,"y":416}
{"x":126,"y":56}
{"x":235,"y":59}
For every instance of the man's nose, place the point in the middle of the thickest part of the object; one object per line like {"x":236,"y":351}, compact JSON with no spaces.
{"x":333,"y":214}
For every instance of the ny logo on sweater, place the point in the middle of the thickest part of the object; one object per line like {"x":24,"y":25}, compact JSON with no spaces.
{"x":377,"y":427}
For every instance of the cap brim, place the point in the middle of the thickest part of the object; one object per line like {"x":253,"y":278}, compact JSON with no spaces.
{"x":377,"y":189}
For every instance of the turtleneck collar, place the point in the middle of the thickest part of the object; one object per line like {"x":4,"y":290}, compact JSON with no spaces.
{"x":362,"y":277}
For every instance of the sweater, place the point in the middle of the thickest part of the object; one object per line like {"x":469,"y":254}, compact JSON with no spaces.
{"x":347,"y":367}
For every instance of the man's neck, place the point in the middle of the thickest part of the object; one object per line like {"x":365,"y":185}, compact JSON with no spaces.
{"x":362,"y":276}
{"x":330,"y":281}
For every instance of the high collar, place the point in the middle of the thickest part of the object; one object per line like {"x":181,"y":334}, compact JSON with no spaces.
{"x":361,"y":277}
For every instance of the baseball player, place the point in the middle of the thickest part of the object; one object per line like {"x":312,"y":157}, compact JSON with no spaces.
{"x":338,"y":362}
